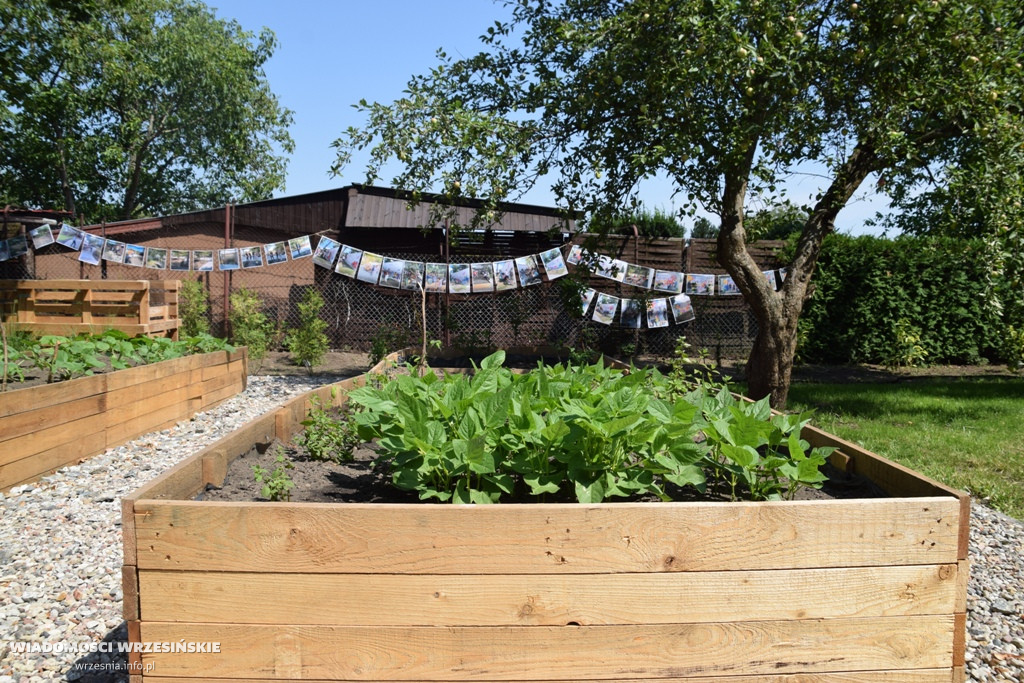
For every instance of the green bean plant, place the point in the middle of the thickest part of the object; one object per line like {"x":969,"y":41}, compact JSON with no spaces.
{"x":589,"y":432}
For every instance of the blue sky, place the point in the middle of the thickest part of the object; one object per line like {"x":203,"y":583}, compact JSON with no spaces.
{"x":332,"y":53}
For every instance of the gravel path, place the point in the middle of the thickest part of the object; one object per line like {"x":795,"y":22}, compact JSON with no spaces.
{"x":60,"y":557}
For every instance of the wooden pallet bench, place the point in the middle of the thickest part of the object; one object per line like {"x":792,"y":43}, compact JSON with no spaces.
{"x":67,"y":307}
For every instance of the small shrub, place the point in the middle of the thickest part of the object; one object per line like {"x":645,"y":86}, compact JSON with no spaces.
{"x":308,"y":342}
{"x":193,"y":308}
{"x":250,"y":326}
{"x":388,"y":338}
{"x":907,"y":349}
{"x":277,"y":485}
{"x":1013,"y":348}
{"x":326,"y":437}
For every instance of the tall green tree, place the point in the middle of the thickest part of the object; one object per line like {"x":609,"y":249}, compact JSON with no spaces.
{"x":118,"y":108}
{"x":725,"y":97}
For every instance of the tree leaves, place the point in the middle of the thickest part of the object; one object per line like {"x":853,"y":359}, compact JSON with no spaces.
{"x":136,"y":107}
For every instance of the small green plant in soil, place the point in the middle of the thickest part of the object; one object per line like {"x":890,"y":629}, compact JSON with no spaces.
{"x":250,"y":326}
{"x":308,"y":342}
{"x":326,"y":437}
{"x":193,"y":308}
{"x":276,"y":484}
{"x":387,"y":338}
{"x":587,"y":431}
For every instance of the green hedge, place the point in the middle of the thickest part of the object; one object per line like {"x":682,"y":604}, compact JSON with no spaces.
{"x":869,"y":289}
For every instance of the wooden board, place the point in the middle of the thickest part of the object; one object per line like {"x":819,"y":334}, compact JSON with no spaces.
{"x":482,"y":653}
{"x":569,"y":539}
{"x":914,"y":676}
{"x":548,"y":600}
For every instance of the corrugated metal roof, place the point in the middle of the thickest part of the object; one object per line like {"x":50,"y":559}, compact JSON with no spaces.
{"x":358,"y":206}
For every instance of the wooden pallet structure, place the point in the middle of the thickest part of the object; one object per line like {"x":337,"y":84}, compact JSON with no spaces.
{"x":67,"y":307}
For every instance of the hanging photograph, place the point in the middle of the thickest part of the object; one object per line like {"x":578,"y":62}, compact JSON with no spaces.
{"x":202,"y":260}
{"x":369,"y":268}
{"x":92,"y":249}
{"x":586,"y":299}
{"x":348,"y":263}
{"x":70,"y":237}
{"x":504,"y":275}
{"x":228,"y":259}
{"x":682,"y":308}
{"x":657,"y":313}
{"x":458,"y":278}
{"x":482,"y":277}
{"x":181,"y":259}
{"x":156,"y":258}
{"x":668,"y":281}
{"x":134,"y":255}
{"x":638,"y":276}
{"x":727,"y":286}
{"x":412,"y":275}
{"x":575,"y":255}
{"x":702,"y":285}
{"x":605,"y":308}
{"x":613,"y":269}
{"x":769,"y":275}
{"x":326,"y":252}
{"x":41,"y":236}
{"x":276,"y":253}
{"x":5,"y":253}
{"x":554,"y":266}
{"x":299,"y":247}
{"x":391,"y":272}
{"x":114,"y":251}
{"x":630,"y":313}
{"x":529,"y":271}
{"x":18,"y":246}
{"x":252,"y":257}
{"x":436,"y":277}
{"x":783,"y":272}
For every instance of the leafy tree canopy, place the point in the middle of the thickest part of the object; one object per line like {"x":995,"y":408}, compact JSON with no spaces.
{"x":120,"y":108}
{"x":726,"y":98}
{"x":776,"y":222}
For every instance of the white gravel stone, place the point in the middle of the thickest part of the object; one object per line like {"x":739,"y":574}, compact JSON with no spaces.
{"x":60,"y":560}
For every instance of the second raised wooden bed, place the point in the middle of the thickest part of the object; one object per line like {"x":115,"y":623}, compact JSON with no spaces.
{"x":833,"y":590}
{"x":46,"y":427}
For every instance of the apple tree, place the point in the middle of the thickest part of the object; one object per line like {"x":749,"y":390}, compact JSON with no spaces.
{"x":724,"y":97}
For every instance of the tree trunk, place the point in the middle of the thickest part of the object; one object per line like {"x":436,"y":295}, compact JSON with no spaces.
{"x":770,"y":364}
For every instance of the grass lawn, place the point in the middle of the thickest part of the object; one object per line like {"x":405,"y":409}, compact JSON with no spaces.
{"x":965,"y":432}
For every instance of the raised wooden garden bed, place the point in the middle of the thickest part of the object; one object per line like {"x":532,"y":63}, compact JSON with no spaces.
{"x":827,"y":590}
{"x":46,"y":427}
{"x":66,"y":307}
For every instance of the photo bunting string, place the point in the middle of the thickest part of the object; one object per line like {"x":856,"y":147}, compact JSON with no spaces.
{"x":402,"y":274}
{"x":95,"y":249}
